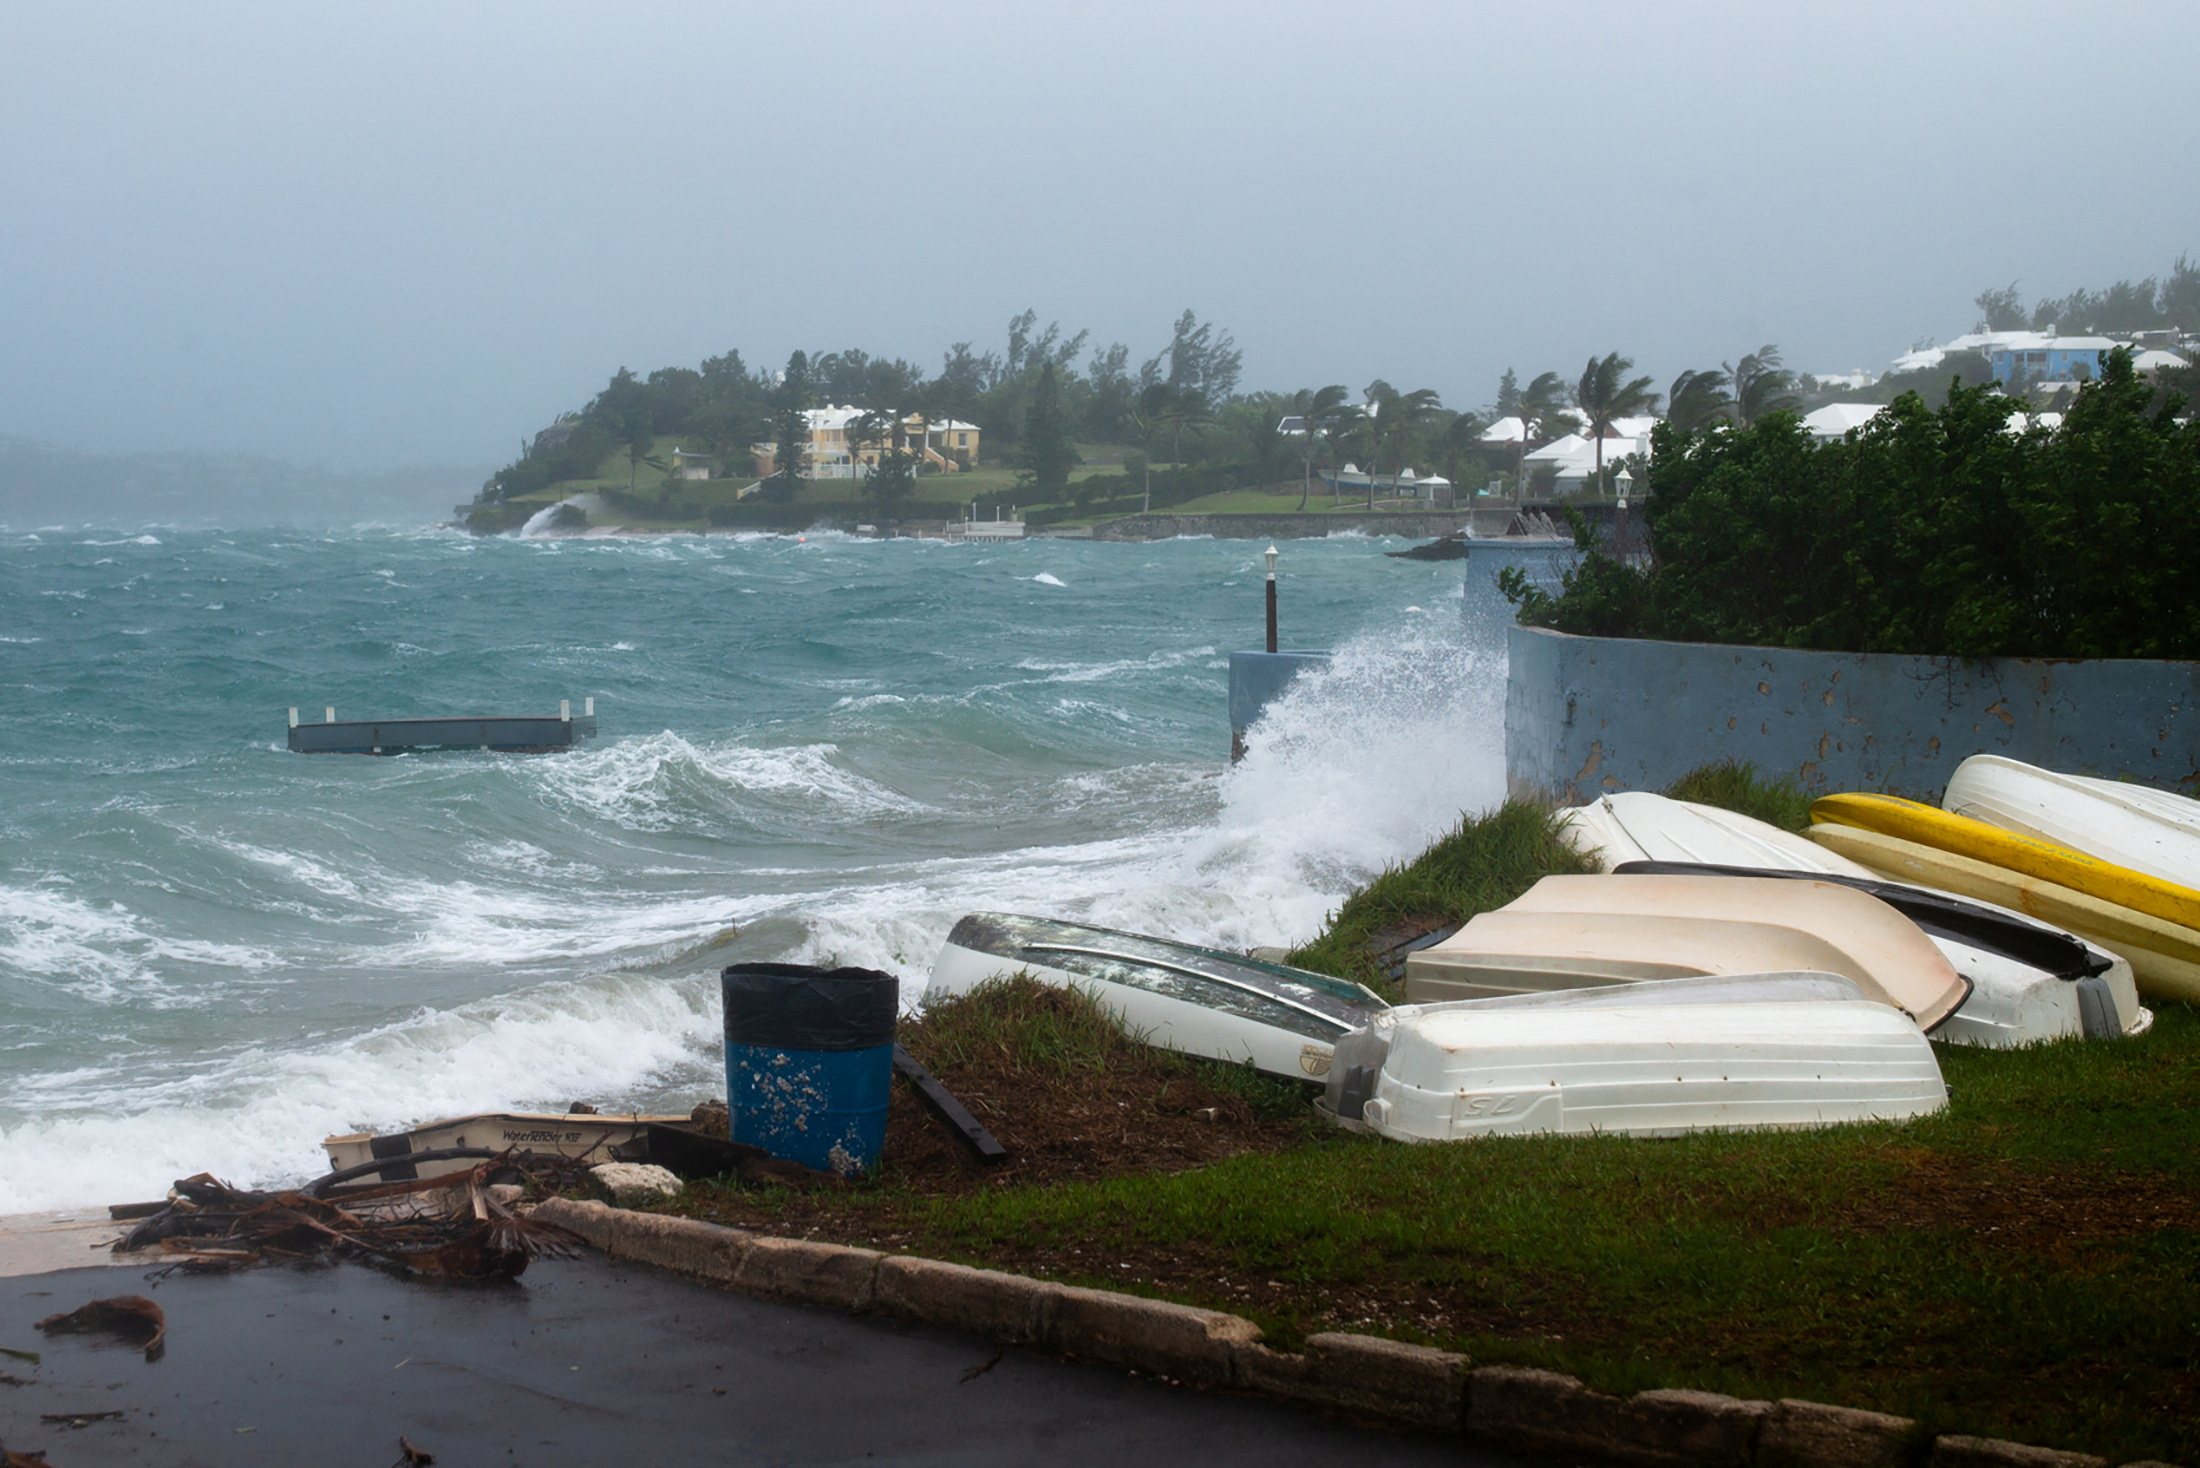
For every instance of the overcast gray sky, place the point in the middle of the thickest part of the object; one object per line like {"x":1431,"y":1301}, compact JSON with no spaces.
{"x":367,"y":235}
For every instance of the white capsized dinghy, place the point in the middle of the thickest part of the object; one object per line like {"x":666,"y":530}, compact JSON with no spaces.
{"x":1720,"y":1052}
{"x":1197,"y":1001}
{"x":1584,"y":932}
{"x":587,"y":1135}
{"x":2030,"y":981}
{"x":2152,"y":831}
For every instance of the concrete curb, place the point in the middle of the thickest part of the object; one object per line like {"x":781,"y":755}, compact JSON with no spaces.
{"x":1407,"y":1385}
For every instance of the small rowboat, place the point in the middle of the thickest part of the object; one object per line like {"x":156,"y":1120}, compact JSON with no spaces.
{"x":1196,"y":1001}
{"x":585,"y":1135}
{"x":1727,"y":1052}
{"x":2029,"y":981}
{"x":1908,"y":820}
{"x":2164,"y":956}
{"x":2156,"y":832}
{"x":1585,"y":932}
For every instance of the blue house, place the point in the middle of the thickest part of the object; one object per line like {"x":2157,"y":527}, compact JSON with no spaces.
{"x":2050,"y":358}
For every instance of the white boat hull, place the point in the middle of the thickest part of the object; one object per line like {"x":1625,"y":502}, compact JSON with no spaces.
{"x":587,"y":1135}
{"x":2152,"y":831}
{"x":2011,"y":1003}
{"x":1512,"y":1067}
{"x":1159,"y":1019}
{"x":1579,"y":932}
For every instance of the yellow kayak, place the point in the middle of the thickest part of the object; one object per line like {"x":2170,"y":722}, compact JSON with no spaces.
{"x":1908,"y":820}
{"x":2164,"y":956}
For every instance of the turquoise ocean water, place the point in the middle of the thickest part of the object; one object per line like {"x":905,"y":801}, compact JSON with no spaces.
{"x":214,"y":952}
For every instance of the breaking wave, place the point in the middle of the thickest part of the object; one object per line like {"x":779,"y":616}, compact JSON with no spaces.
{"x":246,"y":950}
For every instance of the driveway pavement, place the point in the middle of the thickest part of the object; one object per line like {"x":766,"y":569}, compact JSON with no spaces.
{"x":588,"y":1362}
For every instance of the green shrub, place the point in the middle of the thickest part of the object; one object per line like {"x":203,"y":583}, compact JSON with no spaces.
{"x":1935,"y":532}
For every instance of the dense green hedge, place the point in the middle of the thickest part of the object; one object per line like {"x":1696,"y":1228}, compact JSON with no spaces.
{"x":1931,"y":532}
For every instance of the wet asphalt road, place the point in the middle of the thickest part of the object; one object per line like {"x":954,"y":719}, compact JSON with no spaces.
{"x":588,"y":1362}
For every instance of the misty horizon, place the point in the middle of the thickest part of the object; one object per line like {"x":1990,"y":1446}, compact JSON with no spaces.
{"x":389,"y":239}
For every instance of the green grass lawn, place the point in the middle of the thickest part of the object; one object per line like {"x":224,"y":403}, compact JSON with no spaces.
{"x":2025,"y":1264}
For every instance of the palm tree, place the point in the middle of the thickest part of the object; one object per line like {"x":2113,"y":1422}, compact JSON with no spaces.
{"x":1761,"y":386}
{"x":1461,"y":436}
{"x":1605,"y":394}
{"x":1393,"y":417}
{"x":1539,"y":404}
{"x":1185,"y":408}
{"x":1311,"y":406}
{"x":1148,"y":416}
{"x":866,"y":429}
{"x":1698,"y":400}
{"x":1337,"y":430}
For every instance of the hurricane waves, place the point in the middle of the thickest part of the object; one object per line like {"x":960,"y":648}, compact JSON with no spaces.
{"x":213,"y":953}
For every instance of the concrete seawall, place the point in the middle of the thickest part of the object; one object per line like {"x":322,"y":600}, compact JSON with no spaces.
{"x":1585,"y":715}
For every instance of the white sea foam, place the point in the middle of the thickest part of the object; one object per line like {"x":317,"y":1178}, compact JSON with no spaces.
{"x":663,"y":782}
{"x":1046,"y":578}
{"x":257,"y":1117}
{"x":102,"y":953}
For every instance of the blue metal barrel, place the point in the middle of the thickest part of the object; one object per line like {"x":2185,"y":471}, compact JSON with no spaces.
{"x":810,"y":1061}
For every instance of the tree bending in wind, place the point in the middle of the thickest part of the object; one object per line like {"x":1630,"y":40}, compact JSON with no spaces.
{"x":1761,"y":386}
{"x":1312,"y":406}
{"x":1337,"y":430}
{"x":1540,"y":404}
{"x":1605,"y":395}
{"x":1183,"y":408}
{"x":1698,"y":399}
{"x":1393,"y":417}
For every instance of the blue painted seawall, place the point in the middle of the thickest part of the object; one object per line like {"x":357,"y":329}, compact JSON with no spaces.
{"x":1585,"y":715}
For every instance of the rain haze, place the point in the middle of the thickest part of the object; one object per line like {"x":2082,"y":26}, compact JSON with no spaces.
{"x":368,"y":238}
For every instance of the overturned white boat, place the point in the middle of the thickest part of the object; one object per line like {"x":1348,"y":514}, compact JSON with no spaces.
{"x":1712,"y":1053}
{"x":1586,"y":932}
{"x":2030,"y":981}
{"x":2152,"y":831}
{"x":457,"y":1143}
{"x":1196,"y":1001}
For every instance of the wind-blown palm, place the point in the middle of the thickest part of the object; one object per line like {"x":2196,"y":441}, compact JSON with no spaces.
{"x":1698,"y":400}
{"x":1184,"y":409}
{"x":1311,"y":406}
{"x":1338,"y":430}
{"x":1761,"y":386}
{"x":1148,"y":416}
{"x":1539,"y":405}
{"x":866,"y":429}
{"x":1606,"y":394}
{"x":1393,"y":418}
{"x":1460,"y":438}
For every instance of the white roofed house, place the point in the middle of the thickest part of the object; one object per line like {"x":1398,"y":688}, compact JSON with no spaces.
{"x":1837,"y":419}
{"x":1571,"y":461}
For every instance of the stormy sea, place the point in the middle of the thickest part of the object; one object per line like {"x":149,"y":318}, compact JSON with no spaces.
{"x":214,"y":952}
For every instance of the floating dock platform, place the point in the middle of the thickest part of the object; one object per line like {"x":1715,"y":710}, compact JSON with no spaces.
{"x":520,"y":735}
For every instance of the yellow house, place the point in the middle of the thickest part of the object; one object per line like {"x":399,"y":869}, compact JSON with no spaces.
{"x":945,"y":446}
